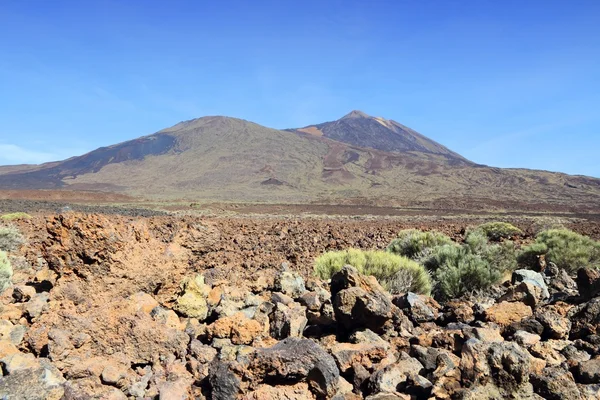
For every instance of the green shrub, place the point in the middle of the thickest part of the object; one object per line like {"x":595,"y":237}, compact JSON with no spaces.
{"x":412,"y":242}
{"x":476,"y":241}
{"x":15,"y":216}
{"x":565,"y":248}
{"x":499,"y":230}
{"x":529,"y":256}
{"x":476,"y":265}
{"x":10,"y":238}
{"x":466,"y":273}
{"x":5,"y":272}
{"x":395,"y":273}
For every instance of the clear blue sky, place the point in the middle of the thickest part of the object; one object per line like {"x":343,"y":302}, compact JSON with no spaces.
{"x":505,"y":83}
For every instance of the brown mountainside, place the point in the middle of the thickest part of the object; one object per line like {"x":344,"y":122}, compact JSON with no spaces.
{"x":355,"y":160}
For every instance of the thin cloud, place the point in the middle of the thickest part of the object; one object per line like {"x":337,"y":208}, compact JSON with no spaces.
{"x":13,"y":154}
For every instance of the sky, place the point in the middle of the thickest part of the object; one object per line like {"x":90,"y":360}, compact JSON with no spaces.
{"x":504,"y":83}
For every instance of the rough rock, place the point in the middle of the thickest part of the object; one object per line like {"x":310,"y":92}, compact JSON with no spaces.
{"x":419,"y":308}
{"x":289,"y":283}
{"x":526,"y":339}
{"x":555,"y":384}
{"x":588,"y":282}
{"x":359,"y":301}
{"x":389,"y":378}
{"x":31,"y":379}
{"x":586,"y":319}
{"x":287,"y":321}
{"x":192,"y":301}
{"x":555,"y":325}
{"x":297,"y":360}
{"x":589,"y":371}
{"x":504,"y":364}
{"x":532,"y":277}
{"x":506,"y":313}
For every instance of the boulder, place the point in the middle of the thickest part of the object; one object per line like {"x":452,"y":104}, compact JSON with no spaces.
{"x":588,"y":372}
{"x":31,"y":379}
{"x":390,"y":378}
{"x":359,"y":301}
{"x":289,"y":283}
{"x":297,"y":360}
{"x":506,"y":313}
{"x":504,"y":364}
{"x":192,"y":300}
{"x":585,"y":319}
{"x":588,"y":282}
{"x":287,"y":321}
{"x":555,"y":325}
{"x":555,"y":384}
{"x":532,"y":277}
{"x":419,"y":308}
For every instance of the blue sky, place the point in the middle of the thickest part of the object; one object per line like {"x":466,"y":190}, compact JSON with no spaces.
{"x":504,"y":83}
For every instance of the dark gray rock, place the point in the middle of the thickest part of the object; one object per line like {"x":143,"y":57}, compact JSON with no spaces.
{"x":555,"y":383}
{"x":224,"y":383}
{"x":588,"y":372}
{"x":419,"y":308}
{"x":359,"y":301}
{"x":588,"y":282}
{"x":294,"y":360}
{"x":586,"y":319}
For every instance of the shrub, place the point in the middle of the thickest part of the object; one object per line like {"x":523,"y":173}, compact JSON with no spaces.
{"x":466,"y":273}
{"x":10,"y":238}
{"x":15,"y":216}
{"x":498,"y":230}
{"x":412,"y":242}
{"x":476,"y":265}
{"x":565,"y":248}
{"x":5,"y":272}
{"x":395,"y":273}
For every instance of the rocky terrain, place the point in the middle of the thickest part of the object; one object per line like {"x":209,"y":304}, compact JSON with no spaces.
{"x":115,"y":307}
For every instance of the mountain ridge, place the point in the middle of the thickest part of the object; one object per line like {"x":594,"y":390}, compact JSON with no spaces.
{"x":223,"y":158}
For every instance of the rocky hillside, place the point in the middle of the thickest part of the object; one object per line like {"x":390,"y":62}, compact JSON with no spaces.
{"x":122,"y":308}
{"x":362,"y":130}
{"x":358,"y":160}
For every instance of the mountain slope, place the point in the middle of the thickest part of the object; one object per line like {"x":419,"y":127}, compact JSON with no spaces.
{"x":228,"y":159}
{"x":360,"y":129}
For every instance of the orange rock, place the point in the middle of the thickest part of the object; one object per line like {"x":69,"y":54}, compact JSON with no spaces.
{"x":506,"y":313}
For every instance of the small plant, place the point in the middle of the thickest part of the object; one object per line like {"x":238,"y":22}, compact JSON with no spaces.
{"x":476,"y":265}
{"x":395,"y":273}
{"x":10,"y":238}
{"x":5,"y":272}
{"x":15,"y":216}
{"x":467,"y":273}
{"x":565,"y":248}
{"x":412,"y":242}
{"x":498,"y":230}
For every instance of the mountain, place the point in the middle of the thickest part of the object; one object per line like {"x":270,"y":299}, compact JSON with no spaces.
{"x":360,"y":129}
{"x":349,"y":161}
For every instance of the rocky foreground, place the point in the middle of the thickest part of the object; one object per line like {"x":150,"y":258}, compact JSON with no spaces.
{"x":104,"y":310}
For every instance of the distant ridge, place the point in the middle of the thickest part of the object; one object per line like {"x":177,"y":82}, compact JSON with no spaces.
{"x":360,"y":129}
{"x":358,"y":160}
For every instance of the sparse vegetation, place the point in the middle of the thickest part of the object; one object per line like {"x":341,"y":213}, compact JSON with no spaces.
{"x":10,"y":238}
{"x":412,"y":242}
{"x":396,"y":273}
{"x":496,"y":230}
{"x":476,"y":265}
{"x":565,"y":248}
{"x":5,"y":272}
{"x":465,"y":273}
{"x":15,"y":216}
